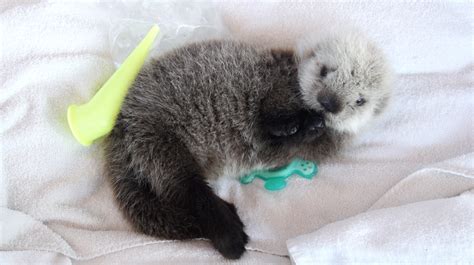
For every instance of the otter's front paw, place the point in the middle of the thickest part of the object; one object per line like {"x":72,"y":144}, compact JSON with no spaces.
{"x":228,"y":235}
{"x":283,"y":124}
{"x":314,"y":124}
{"x":284,"y":130}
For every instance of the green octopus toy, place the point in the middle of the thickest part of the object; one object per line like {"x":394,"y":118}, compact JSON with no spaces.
{"x":276,"y":178}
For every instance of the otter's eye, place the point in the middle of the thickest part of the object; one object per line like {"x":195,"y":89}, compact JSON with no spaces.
{"x":360,"y":102}
{"x":324,"y":71}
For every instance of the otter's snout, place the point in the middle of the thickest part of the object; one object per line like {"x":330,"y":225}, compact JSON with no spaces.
{"x":330,"y":102}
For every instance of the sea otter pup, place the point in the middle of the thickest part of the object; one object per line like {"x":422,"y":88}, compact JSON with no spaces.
{"x":226,"y":107}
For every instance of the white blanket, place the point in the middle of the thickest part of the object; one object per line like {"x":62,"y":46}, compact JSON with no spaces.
{"x":403,"y":192}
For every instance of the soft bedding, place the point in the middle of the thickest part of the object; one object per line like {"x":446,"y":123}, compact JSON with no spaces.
{"x":403,"y":192}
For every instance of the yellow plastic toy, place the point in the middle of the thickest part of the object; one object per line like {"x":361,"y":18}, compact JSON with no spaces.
{"x":97,"y":117}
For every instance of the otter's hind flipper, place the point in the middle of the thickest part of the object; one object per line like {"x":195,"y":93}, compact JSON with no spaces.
{"x":162,"y":192}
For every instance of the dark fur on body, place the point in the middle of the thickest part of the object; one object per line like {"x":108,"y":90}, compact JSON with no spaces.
{"x":200,"y":112}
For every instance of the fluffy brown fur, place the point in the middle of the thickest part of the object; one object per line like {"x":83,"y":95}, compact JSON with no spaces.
{"x":201,"y":111}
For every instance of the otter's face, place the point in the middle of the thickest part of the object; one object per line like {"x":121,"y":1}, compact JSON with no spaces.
{"x":347,"y":79}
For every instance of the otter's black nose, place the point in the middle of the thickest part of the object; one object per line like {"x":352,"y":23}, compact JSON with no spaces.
{"x":329,"y":102}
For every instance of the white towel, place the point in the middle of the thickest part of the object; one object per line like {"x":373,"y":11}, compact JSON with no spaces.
{"x":422,"y":220}
{"x":415,"y":159}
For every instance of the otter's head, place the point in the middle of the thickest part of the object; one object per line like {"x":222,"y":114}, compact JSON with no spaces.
{"x":346,"y":78}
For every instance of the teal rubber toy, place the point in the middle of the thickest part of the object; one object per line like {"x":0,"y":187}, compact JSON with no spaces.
{"x":275,"y":179}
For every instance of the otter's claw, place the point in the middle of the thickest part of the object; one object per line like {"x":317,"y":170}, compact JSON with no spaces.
{"x":288,"y":131}
{"x":315,"y":124}
{"x":284,"y":125}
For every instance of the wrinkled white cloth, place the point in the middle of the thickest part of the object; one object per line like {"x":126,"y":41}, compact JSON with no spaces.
{"x":398,"y":185}
{"x":421,"y":220}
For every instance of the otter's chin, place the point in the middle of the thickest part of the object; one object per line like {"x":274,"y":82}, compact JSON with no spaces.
{"x":339,"y":127}
{"x":351,"y":125}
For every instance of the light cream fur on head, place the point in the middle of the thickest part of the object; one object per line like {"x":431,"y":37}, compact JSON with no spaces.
{"x":349,"y":69}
